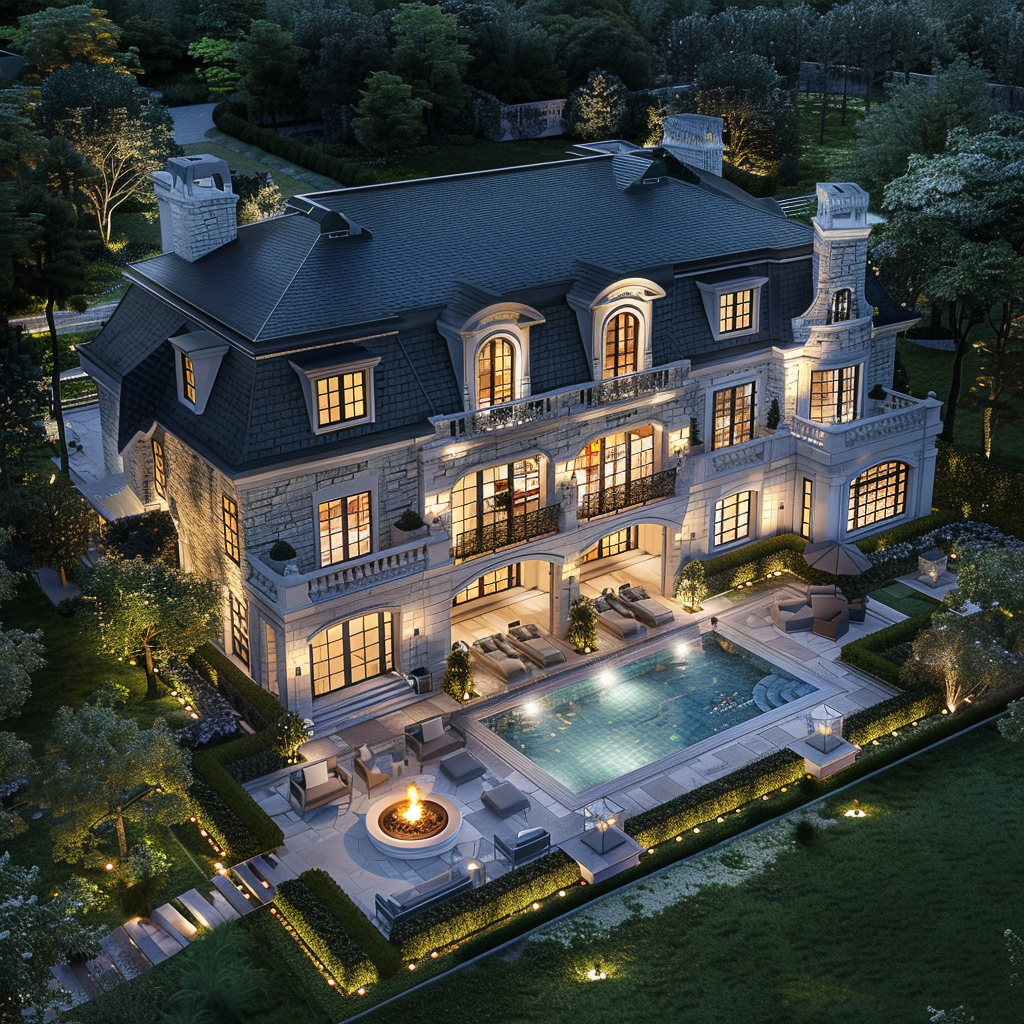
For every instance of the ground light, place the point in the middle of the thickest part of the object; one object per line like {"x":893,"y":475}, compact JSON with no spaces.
{"x":596,"y":975}
{"x":855,"y":811}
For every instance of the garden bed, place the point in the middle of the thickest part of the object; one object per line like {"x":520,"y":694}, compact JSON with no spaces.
{"x":904,"y":599}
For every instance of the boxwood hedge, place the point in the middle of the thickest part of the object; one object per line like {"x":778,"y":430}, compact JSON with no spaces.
{"x":863,"y":653}
{"x":259,"y":707}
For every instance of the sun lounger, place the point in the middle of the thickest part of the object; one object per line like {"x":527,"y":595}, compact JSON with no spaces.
{"x":530,"y":641}
{"x":489,"y":653}
{"x":621,"y":624}
{"x":645,"y":607}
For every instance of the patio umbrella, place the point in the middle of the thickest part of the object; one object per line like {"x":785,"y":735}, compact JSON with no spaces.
{"x":836,"y":558}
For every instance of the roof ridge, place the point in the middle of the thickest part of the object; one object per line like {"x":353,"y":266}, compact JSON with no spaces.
{"x":285,"y":290}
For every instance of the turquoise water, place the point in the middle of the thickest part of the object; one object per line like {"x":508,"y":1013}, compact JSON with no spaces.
{"x":630,"y":716}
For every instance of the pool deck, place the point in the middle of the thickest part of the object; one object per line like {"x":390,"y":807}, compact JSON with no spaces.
{"x":335,"y":839}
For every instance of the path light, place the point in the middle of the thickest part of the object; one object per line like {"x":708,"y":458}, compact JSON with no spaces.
{"x":696,"y":831}
{"x":108,"y":866}
{"x":855,"y":811}
{"x":561,"y":892}
{"x":412,"y":967}
{"x":596,"y":975}
{"x":720,"y":820}
{"x":536,"y":906}
{"x":360,"y":991}
{"x":434,"y":955}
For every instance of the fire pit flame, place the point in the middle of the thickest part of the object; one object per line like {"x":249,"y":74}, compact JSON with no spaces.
{"x":414,"y":809}
{"x":413,"y":818}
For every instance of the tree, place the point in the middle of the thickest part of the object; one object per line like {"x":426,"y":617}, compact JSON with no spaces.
{"x":118,"y":128}
{"x":692,"y":585}
{"x":39,"y":932}
{"x":154,"y":610}
{"x":21,"y":396}
{"x":100,"y":767}
{"x":689,"y":42}
{"x":228,"y":17}
{"x":582,"y":631}
{"x":61,"y":36}
{"x":597,"y":43}
{"x":596,"y":110}
{"x":991,"y":579}
{"x":57,"y":523}
{"x":429,"y":56}
{"x":154,"y":38}
{"x":268,"y":64}
{"x":218,"y":66}
{"x":149,"y":536}
{"x":390,"y":118}
{"x":458,"y":674}
{"x":15,"y":759}
{"x":258,"y":197}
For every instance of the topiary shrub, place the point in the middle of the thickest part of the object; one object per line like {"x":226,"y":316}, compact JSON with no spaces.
{"x":582,"y":631}
{"x":458,"y":674}
{"x":771,"y":421}
{"x":282,"y":551}
{"x":291,"y":732}
{"x":409,"y":520}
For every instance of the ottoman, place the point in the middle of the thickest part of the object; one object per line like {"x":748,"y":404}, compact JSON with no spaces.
{"x":461,"y":767}
{"x":505,"y":800}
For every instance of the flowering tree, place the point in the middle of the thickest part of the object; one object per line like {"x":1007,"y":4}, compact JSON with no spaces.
{"x":154,"y":610}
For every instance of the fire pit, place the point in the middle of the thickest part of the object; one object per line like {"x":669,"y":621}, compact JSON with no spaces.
{"x":413,"y":826}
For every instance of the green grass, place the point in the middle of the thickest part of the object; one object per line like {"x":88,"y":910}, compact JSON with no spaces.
{"x":240,"y":164}
{"x":831,"y":161}
{"x":879,"y":919}
{"x":904,"y":599}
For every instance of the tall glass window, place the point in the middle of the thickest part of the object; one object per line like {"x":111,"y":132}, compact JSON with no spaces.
{"x":188,"y":379}
{"x":615,"y":461}
{"x":490,"y":505}
{"x":879,"y":493}
{"x":839,"y":307}
{"x":491,"y":583}
{"x":159,"y":469}
{"x":733,"y":416}
{"x":620,"y":345}
{"x":239,"y":608}
{"x":345,"y":528}
{"x":732,"y":518}
{"x":229,"y":522}
{"x":495,"y":373}
{"x":834,"y":394}
{"x":805,"y":509}
{"x":736,"y":311}
{"x":351,"y":651}
{"x":617,"y":543}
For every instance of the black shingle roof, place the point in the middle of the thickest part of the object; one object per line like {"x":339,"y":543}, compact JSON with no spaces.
{"x":503,"y":230}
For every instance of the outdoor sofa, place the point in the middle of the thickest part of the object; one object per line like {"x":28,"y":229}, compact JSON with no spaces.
{"x":434,"y":737}
{"x":530,"y":844}
{"x":410,"y":902}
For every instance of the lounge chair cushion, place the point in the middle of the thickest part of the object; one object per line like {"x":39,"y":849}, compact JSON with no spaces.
{"x":504,"y":800}
{"x":366,"y":756}
{"x":462,"y":767}
{"x":432,"y":729}
{"x":315,"y":775}
{"x":486,"y":645}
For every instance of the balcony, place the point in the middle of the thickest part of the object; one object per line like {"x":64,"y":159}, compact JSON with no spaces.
{"x":541,"y":522}
{"x":555,"y":404}
{"x":637,"y":492}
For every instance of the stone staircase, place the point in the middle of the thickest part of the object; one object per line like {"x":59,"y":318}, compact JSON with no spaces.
{"x":774,"y":690}
{"x":138,"y":944}
{"x":372,"y":702}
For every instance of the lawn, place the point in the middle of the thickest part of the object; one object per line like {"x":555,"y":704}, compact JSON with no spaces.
{"x":877,"y":920}
{"x":241,"y":164}
{"x":831,"y":161}
{"x":904,"y":599}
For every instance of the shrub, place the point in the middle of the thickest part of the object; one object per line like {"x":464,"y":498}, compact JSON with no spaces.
{"x":259,"y":707}
{"x":358,"y":926}
{"x":760,"y":186}
{"x":472,"y":911}
{"x":150,"y":536}
{"x":324,"y":934}
{"x":225,"y":827}
{"x":709,"y":801}
{"x":692,"y":588}
{"x":582,"y":631}
{"x":458,"y":675}
{"x":863,"y":653}
{"x":894,"y":713}
{"x":245,"y":769}
{"x":282,"y":551}
{"x":974,"y":487}
{"x":805,"y":832}
{"x":291,"y":732}
{"x":409,"y":521}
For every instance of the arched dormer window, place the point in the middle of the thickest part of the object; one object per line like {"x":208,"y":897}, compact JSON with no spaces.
{"x":495,"y":372}
{"x":839,"y":307}
{"x":621,"y":336}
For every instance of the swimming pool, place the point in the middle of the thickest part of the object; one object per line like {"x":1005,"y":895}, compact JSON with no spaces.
{"x":627,"y":717}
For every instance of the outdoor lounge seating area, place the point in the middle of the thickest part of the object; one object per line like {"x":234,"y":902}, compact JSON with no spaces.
{"x":824,"y":611}
{"x":434,"y":737}
{"x":318,"y":784}
{"x":637,"y":602}
{"x":618,"y":621}
{"x":496,"y":655}
{"x":530,"y":642}
{"x":418,"y":898}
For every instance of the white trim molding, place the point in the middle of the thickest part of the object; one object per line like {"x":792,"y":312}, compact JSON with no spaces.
{"x":711,"y":293}
{"x":205,"y":351}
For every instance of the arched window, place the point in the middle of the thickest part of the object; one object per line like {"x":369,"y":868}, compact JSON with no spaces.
{"x":495,"y":372}
{"x":878,"y":493}
{"x":621,"y":337}
{"x":839,"y":307}
{"x":351,"y":651}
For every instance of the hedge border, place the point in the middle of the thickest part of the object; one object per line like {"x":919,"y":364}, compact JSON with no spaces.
{"x":863,"y":653}
{"x":259,"y":707}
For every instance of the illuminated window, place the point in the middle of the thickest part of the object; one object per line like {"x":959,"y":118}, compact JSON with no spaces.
{"x":877,"y":494}
{"x":732,"y":518}
{"x":620,"y":345}
{"x":609,"y":471}
{"x":733,"y":416}
{"x":188,"y":379}
{"x":341,"y":398}
{"x":495,"y":507}
{"x":239,"y":629}
{"x":495,"y":373}
{"x":490,"y":583}
{"x":805,"y":512}
{"x":839,"y":307}
{"x":229,"y":520}
{"x":351,"y":651}
{"x":834,"y":395}
{"x":736,"y":311}
{"x":345,"y":528}
{"x":617,"y":543}
{"x":159,"y":469}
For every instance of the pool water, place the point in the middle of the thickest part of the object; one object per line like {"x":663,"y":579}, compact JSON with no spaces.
{"x":626,"y":717}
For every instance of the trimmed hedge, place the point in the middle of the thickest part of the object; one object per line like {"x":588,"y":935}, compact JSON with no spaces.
{"x":471,"y":912}
{"x":259,"y":707}
{"x":357,"y":925}
{"x":908,"y":531}
{"x":863,"y":653}
{"x":225,"y":827}
{"x":896,"y":712}
{"x":707,"y":802}
{"x":973,"y":487}
{"x":760,"y":186}
{"x":324,"y":934}
{"x":226,"y":116}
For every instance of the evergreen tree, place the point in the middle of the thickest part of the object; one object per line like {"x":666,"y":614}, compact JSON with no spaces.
{"x":21,"y":399}
{"x":596,"y":110}
{"x":268,"y":63}
{"x":390,"y":117}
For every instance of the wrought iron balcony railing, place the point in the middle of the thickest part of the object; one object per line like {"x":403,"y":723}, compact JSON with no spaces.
{"x":636,"y":492}
{"x":484,"y":539}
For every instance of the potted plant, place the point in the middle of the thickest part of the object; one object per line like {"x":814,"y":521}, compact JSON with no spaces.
{"x":582,"y":631}
{"x":409,"y":526}
{"x":692,"y":586}
{"x":280,"y":556}
{"x":878,"y":395}
{"x":458,"y":675}
{"x":774,"y":415}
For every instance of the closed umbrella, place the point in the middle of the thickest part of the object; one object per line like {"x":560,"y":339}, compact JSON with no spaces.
{"x":836,"y":558}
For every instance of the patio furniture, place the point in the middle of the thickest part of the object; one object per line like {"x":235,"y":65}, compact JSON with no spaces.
{"x":488,"y":654}
{"x":644,"y":607}
{"x":410,"y":902}
{"x":461,"y":767}
{"x":318,"y":784}
{"x":791,"y":616}
{"x":831,"y":616}
{"x":836,"y":558}
{"x":505,"y":800}
{"x":529,"y":640}
{"x":858,"y":608}
{"x":434,"y":737}
{"x":621,"y":623}
{"x":530,"y":844}
{"x":364,"y":765}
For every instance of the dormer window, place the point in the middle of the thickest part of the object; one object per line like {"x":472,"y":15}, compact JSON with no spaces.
{"x":732,"y":304}
{"x":736,"y":311}
{"x":620,"y":345}
{"x":337,"y":384}
{"x":839,"y":307}
{"x":495,"y":372}
{"x":198,"y":356}
{"x":188,"y":379}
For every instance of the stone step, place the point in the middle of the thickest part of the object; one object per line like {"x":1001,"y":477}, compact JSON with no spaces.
{"x":224,"y":908}
{"x":261,"y":890}
{"x":270,"y":868}
{"x":761,"y":697}
{"x":201,"y":909}
{"x":178,"y":927}
{"x":390,"y":696}
{"x":237,"y":899}
{"x":71,"y":983}
{"x":126,"y":958}
{"x":146,"y":943}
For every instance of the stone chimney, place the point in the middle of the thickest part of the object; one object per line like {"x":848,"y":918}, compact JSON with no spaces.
{"x":197,"y":205}
{"x":695,"y":139}
{"x":841,"y":232}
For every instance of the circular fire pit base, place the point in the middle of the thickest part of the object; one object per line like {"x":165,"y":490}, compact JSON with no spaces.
{"x":413,"y":849}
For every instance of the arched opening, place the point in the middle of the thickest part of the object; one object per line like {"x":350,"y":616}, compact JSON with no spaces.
{"x":879,"y":493}
{"x":618,"y":471}
{"x":839,"y":307}
{"x":495,"y":372}
{"x":629,"y":554}
{"x":621,"y":345}
{"x":352,"y":651}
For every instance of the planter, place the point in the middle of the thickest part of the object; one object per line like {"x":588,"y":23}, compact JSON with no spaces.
{"x":405,"y":536}
{"x":280,"y":566}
